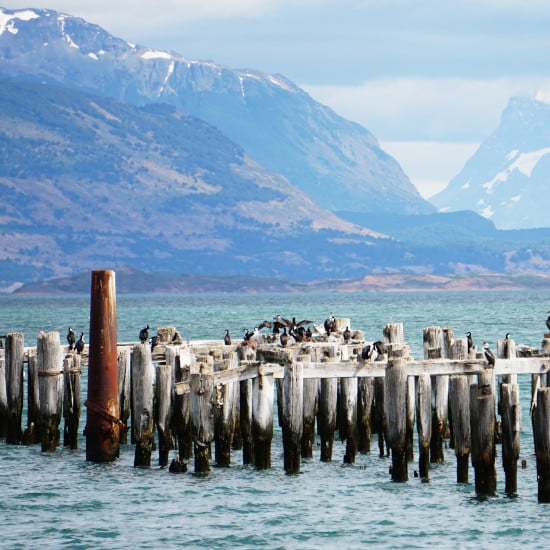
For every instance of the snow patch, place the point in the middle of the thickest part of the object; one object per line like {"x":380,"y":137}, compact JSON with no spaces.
{"x":168,"y":75}
{"x":525,"y":163}
{"x":66,"y":37}
{"x":156,"y":54}
{"x":7,"y":20}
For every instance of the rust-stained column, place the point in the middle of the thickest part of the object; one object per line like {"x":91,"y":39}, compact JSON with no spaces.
{"x":103,"y":424}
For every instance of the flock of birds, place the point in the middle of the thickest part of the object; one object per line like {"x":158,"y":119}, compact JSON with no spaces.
{"x":284,"y":329}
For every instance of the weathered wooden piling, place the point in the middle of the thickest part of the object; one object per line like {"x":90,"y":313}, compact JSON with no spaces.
{"x":124,"y":391}
{"x":541,"y":434}
{"x":14,"y":386}
{"x":201,"y":386}
{"x":424,"y":422}
{"x":395,"y":398}
{"x":3,"y":399}
{"x":347,"y":402}
{"x":511,"y":427}
{"x":326,"y":416}
{"x":482,"y":425}
{"x":182,"y":405}
{"x":365,"y":400}
{"x":293,"y":416}
{"x":163,"y":411}
{"x":71,"y":400}
{"x":459,"y":406}
{"x":32,"y":433}
{"x":310,"y":400}
{"x":433,"y":349}
{"x":245,"y":418}
{"x":102,"y":419}
{"x":224,"y":414}
{"x":262,"y":419}
{"x":143,"y":392}
{"x":49,"y":357}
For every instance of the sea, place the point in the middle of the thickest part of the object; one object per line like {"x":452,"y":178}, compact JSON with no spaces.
{"x":59,"y":500}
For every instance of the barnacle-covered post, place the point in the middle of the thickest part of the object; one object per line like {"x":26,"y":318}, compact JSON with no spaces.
{"x":102,"y":422}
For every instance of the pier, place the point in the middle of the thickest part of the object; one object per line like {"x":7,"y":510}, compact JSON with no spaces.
{"x":188,"y":404}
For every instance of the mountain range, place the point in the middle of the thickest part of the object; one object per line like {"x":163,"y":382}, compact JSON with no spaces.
{"x":506,"y":180}
{"x":114,"y":155}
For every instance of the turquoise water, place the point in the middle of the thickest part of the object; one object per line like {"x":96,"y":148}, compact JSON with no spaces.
{"x":58,"y":500}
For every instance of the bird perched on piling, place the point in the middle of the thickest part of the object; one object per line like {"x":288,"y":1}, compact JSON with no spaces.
{"x":284,"y":338}
{"x":144,"y":334}
{"x":79,"y":346}
{"x":71,"y":338}
{"x":470,"y":341}
{"x":227,"y":338}
{"x":154,"y":342}
{"x":489,"y":357}
{"x":330,"y":323}
{"x":347,"y":334}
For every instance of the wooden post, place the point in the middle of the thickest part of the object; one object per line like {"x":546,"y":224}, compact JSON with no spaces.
{"x":71,"y":400}
{"x":424,"y":422}
{"x":310,"y":396}
{"x":365,"y":400}
{"x":3,"y":399}
{"x":433,"y":349}
{"x":293,"y":416}
{"x":102,"y":423}
{"x":49,"y":358}
{"x":482,"y":425}
{"x":32,"y":432}
{"x":459,"y":405}
{"x":143,"y":380}
{"x":326,"y":416}
{"x":347,"y":400}
{"x":163,"y":411}
{"x":395,"y":398}
{"x":245,"y":417}
{"x":511,"y":427}
{"x":201,"y":384}
{"x":182,"y":408}
{"x":262,"y":420}
{"x":14,"y":386}
{"x":224,"y":413}
{"x":380,"y":421}
{"x":124,"y":391}
{"x":541,"y":433}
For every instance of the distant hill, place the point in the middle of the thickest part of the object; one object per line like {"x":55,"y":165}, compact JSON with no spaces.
{"x":506,"y":180}
{"x":337,"y":162}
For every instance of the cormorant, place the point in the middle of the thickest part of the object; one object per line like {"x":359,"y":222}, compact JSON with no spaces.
{"x":227,"y":338}
{"x":470,"y":341}
{"x":347,"y":334}
{"x":154,"y":342}
{"x":144,"y":334}
{"x":488,"y":354}
{"x":71,"y":338}
{"x":284,"y":338}
{"x":366,"y":352}
{"x":79,"y":346}
{"x":330,"y":324}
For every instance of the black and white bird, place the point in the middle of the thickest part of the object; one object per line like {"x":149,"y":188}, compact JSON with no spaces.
{"x":79,"y":346}
{"x":470,"y":341}
{"x":330,"y":324}
{"x":489,"y":357}
{"x":144,"y":334}
{"x":71,"y":338}
{"x":227,"y":338}
{"x":347,"y":334}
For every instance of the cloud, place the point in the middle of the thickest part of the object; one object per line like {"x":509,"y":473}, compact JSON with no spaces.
{"x":427,"y":109}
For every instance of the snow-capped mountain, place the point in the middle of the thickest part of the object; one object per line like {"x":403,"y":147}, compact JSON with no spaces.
{"x":507,"y":179}
{"x":337,"y":162}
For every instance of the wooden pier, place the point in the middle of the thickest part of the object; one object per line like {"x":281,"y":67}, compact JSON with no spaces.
{"x":186,"y":398}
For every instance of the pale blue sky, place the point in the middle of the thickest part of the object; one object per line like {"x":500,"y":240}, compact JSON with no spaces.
{"x":428,"y":78}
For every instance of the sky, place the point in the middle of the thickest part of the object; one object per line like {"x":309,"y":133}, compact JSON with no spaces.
{"x":428,"y":78}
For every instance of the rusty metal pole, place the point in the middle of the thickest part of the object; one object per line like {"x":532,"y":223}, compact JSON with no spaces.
{"x":103,"y":424}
